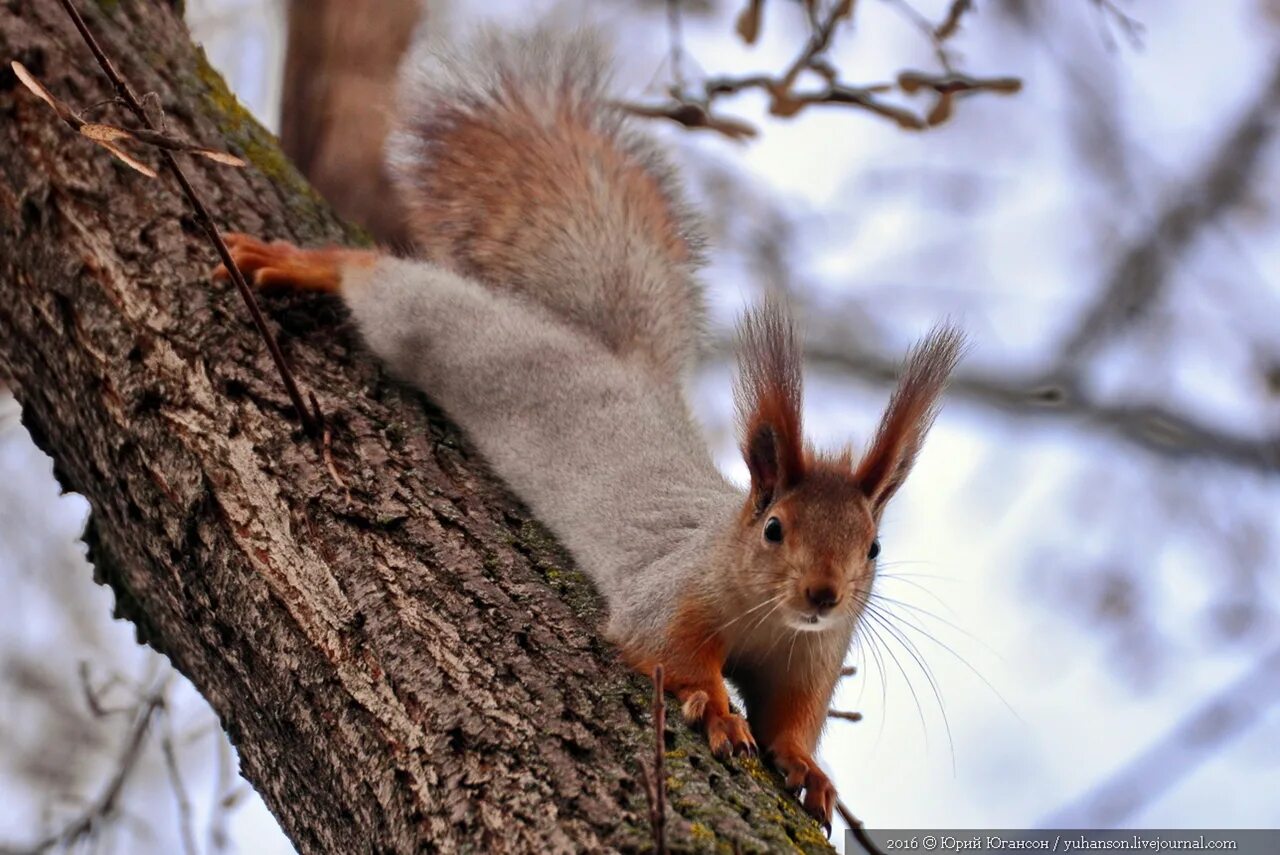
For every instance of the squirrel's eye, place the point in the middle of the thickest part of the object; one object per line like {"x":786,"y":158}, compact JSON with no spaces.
{"x":874,"y":551}
{"x":773,"y":530}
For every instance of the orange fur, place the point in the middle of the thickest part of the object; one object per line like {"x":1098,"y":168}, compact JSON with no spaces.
{"x":788,"y":721}
{"x":692,"y":661}
{"x":280,"y":264}
{"x":825,"y":513}
{"x":910,"y":414}
{"x":767,"y":396}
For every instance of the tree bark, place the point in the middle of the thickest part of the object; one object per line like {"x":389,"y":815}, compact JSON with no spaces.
{"x":411,"y":666}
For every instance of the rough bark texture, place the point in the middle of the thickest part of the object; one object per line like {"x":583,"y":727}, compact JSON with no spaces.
{"x":414,"y":667}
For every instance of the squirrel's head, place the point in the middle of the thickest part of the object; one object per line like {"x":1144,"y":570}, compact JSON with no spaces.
{"x":808,"y":535}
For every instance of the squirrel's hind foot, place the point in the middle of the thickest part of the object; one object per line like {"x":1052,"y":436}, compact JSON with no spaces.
{"x":280,"y":264}
{"x":801,"y":772}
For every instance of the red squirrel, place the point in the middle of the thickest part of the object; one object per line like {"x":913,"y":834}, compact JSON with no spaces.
{"x":553,"y":312}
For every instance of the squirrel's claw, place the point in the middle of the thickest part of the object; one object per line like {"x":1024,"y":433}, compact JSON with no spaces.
{"x":728,"y":734}
{"x":801,"y":773}
{"x":280,"y":264}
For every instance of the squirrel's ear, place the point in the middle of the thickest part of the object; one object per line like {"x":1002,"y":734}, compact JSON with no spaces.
{"x":767,"y":397}
{"x":910,"y":414}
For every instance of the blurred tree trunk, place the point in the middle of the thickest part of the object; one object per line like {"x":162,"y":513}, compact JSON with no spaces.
{"x":405,"y":661}
{"x":339,"y":75}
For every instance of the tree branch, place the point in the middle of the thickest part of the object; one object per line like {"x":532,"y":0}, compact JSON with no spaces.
{"x":697,"y":109}
{"x":103,"y":809}
{"x":1170,"y":758}
{"x":1139,"y":277}
{"x":1154,"y":429}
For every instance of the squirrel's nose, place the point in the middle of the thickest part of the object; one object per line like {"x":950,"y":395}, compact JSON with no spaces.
{"x":822,"y":597}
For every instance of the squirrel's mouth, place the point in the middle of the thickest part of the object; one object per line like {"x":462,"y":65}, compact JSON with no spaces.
{"x":810,"y":622}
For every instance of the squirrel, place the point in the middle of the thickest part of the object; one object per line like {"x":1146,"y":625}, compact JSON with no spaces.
{"x":553,"y":312}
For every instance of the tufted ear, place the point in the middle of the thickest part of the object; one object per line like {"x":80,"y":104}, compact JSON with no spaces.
{"x":909,"y":416}
{"x":767,"y":398}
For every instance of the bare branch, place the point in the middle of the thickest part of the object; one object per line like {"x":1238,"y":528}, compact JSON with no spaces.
{"x":1154,"y":429}
{"x":656,"y":781}
{"x":951,"y":24}
{"x":1139,"y":277}
{"x":185,"y":825}
{"x":1190,"y":742}
{"x":748,"y":23}
{"x":1129,"y":25}
{"x":859,"y":831}
{"x":106,"y":807}
{"x":675,"y":40}
{"x":108,"y":136}
{"x":696,"y":109}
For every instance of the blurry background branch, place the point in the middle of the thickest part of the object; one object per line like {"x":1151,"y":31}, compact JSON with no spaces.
{"x":1052,"y":395}
{"x":1136,"y":281}
{"x":1194,"y":740}
{"x":88,"y":827}
{"x":696,"y":108}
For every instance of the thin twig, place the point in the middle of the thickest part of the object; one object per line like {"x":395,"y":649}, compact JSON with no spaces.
{"x":109,"y":136}
{"x":660,"y":755}
{"x":93,"y":697}
{"x":951,"y":23}
{"x":327,"y":453}
{"x":106,"y":806}
{"x":1139,"y":277}
{"x":696,"y":110}
{"x":675,"y":40}
{"x":845,"y":715}
{"x":859,"y":831}
{"x":225,"y":797}
{"x":1155,"y":429}
{"x":748,"y":23}
{"x":655,"y":782}
{"x":1129,"y":25}
{"x":183,"y":801}
{"x":308,"y":419}
{"x":928,"y":30}
{"x":1167,"y":761}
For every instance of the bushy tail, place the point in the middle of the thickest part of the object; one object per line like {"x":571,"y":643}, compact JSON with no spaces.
{"x":517,"y":170}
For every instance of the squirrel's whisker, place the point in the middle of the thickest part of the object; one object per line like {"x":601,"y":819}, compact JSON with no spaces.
{"x":910,"y":648}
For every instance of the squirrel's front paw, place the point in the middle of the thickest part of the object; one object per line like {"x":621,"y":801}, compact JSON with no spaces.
{"x":802,"y":773}
{"x":726,"y":733}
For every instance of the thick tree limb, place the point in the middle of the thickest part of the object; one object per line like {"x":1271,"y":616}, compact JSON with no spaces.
{"x":416,"y":669}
